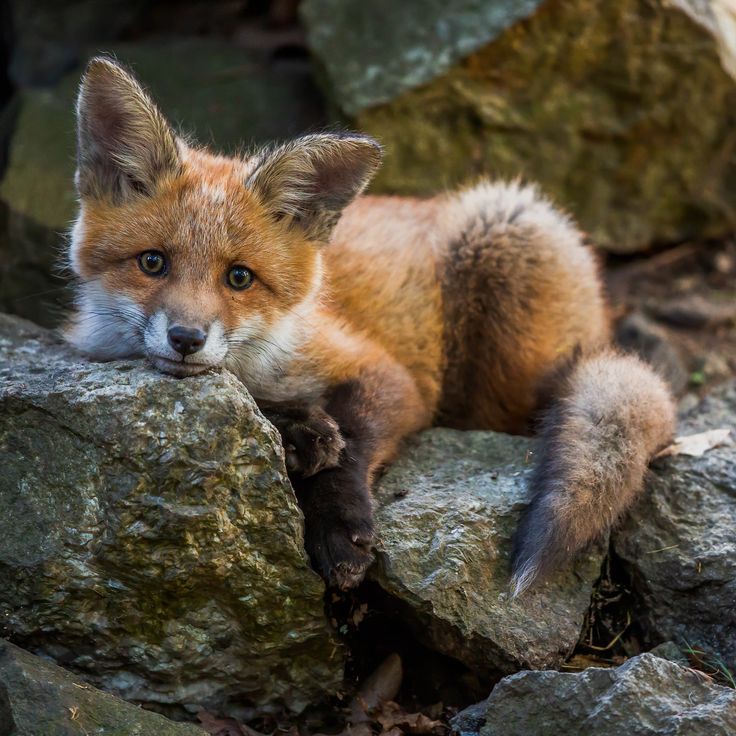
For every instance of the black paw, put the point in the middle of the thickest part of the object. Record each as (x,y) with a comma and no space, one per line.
(311,438)
(341,551)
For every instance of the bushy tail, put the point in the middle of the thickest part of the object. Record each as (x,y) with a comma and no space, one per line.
(611,414)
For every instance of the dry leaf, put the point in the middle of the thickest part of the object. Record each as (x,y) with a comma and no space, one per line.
(696,445)
(393,716)
(359,614)
(215,726)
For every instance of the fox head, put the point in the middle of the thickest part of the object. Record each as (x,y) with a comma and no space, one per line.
(192,259)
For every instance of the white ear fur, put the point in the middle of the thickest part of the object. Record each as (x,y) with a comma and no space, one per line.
(125,144)
(312,179)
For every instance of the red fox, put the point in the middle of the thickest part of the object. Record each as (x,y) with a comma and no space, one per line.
(355,321)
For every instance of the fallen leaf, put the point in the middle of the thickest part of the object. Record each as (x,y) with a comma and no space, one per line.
(359,614)
(696,445)
(393,716)
(224,726)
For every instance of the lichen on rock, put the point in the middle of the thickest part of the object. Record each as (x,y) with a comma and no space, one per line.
(151,539)
(38,698)
(678,542)
(646,695)
(621,111)
(447,512)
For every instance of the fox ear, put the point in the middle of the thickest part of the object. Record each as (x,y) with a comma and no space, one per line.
(124,144)
(312,179)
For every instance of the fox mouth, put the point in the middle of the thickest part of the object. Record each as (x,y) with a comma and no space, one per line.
(178,368)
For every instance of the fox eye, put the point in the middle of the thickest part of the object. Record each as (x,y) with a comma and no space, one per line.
(152,262)
(239,278)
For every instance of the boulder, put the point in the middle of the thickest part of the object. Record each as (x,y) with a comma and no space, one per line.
(646,696)
(150,540)
(678,541)
(220,93)
(41,699)
(639,334)
(372,52)
(447,511)
(49,37)
(624,112)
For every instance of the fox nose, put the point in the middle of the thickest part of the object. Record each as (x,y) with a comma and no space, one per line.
(186,340)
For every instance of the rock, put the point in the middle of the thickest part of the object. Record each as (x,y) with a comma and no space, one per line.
(641,335)
(49,37)
(678,541)
(670,651)
(645,696)
(622,111)
(218,91)
(447,510)
(150,538)
(44,700)
(694,311)
(374,51)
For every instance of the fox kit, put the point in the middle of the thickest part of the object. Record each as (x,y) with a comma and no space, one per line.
(357,321)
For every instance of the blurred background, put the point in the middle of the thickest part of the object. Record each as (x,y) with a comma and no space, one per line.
(623,112)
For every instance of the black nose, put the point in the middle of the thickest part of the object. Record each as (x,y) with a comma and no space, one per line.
(186,340)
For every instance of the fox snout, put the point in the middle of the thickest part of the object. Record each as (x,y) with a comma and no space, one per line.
(186,340)
(183,347)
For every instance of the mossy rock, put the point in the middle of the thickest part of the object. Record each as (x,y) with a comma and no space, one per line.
(621,111)
(38,698)
(447,512)
(151,540)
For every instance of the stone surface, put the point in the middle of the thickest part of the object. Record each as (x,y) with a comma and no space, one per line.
(622,112)
(646,696)
(641,335)
(44,700)
(447,510)
(374,51)
(49,37)
(679,544)
(150,539)
(216,91)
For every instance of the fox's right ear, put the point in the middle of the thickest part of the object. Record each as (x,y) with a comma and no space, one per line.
(124,144)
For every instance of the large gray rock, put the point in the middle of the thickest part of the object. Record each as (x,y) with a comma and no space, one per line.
(622,111)
(646,696)
(679,541)
(447,512)
(374,51)
(218,92)
(149,537)
(41,699)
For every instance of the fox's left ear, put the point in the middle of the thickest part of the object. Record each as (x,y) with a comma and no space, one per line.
(312,179)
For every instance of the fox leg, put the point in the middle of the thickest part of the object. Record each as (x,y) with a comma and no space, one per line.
(611,414)
(374,410)
(311,438)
